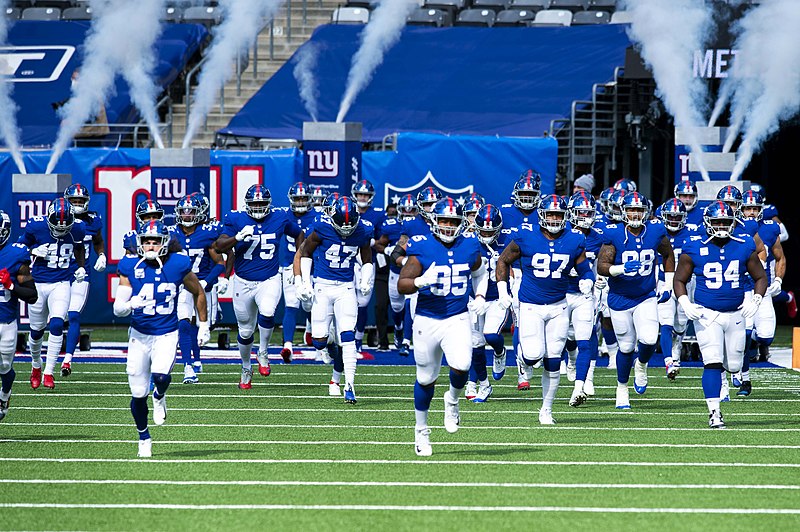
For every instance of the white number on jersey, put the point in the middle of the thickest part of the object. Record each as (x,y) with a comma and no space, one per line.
(645,256)
(335,257)
(714,275)
(450,280)
(196,255)
(58,257)
(263,240)
(164,308)
(541,264)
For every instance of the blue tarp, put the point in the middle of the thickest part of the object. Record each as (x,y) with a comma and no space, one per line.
(48,42)
(461,80)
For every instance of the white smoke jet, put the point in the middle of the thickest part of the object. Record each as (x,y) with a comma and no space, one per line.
(122,33)
(668,34)
(304,63)
(723,98)
(383,30)
(242,20)
(8,109)
(768,78)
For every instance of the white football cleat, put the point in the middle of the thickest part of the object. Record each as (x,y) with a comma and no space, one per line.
(499,365)
(484,393)
(159,409)
(189,375)
(572,371)
(145,448)
(546,417)
(451,418)
(578,398)
(623,398)
(422,442)
(334,390)
(671,368)
(471,390)
(715,420)
(639,377)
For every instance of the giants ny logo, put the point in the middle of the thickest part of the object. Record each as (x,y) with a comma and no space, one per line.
(393,194)
(34,64)
(323,163)
(168,190)
(29,208)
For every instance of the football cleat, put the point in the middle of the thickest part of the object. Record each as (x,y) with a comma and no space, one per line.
(546,417)
(499,365)
(309,339)
(577,399)
(334,390)
(745,389)
(639,377)
(263,364)
(245,383)
(4,408)
(484,393)
(525,373)
(349,395)
(324,356)
(451,417)
(159,409)
(572,371)
(146,448)
(715,420)
(422,442)
(588,388)
(359,345)
(672,369)
(404,350)
(286,355)
(736,379)
(189,376)
(66,369)
(48,381)
(36,377)
(623,398)
(763,353)
(198,366)
(724,393)
(470,391)
(398,339)
(791,306)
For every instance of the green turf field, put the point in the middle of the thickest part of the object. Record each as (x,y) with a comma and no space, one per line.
(284,455)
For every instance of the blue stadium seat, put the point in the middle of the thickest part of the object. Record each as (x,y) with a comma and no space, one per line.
(553,17)
(530,5)
(207,15)
(514,17)
(77,13)
(350,15)
(603,5)
(475,17)
(570,5)
(585,18)
(41,13)
(494,5)
(430,17)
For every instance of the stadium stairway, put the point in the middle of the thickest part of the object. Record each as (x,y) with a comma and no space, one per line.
(289,33)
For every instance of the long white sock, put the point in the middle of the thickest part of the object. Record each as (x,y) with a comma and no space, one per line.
(613,349)
(336,376)
(244,352)
(713,404)
(578,386)
(549,387)
(54,342)
(349,358)
(746,375)
(264,335)
(422,419)
(590,375)
(35,347)
(573,356)
(454,394)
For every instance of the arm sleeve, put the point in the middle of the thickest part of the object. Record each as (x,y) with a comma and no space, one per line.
(213,275)
(121,306)
(584,270)
(26,291)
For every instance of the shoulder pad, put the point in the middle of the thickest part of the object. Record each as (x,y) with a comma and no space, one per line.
(419,238)
(507,231)
(506,205)
(768,222)
(695,238)
(366,222)
(577,231)
(378,209)
(611,226)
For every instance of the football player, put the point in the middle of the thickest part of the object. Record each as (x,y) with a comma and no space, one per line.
(440,267)
(145,211)
(364,194)
(56,244)
(17,283)
(332,248)
(686,192)
(719,263)
(628,259)
(148,290)
(254,234)
(547,254)
(78,197)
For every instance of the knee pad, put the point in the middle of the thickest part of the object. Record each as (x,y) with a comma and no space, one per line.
(426,374)
(5,365)
(571,345)
(347,336)
(714,365)
(37,335)
(552,364)
(319,345)
(267,322)
(246,340)
(162,378)
(56,326)
(764,341)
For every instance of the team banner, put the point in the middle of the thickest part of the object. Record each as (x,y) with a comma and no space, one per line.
(119,179)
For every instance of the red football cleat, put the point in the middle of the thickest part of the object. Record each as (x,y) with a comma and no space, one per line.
(286,355)
(264,370)
(49,381)
(791,305)
(309,339)
(66,369)
(523,385)
(245,383)
(36,377)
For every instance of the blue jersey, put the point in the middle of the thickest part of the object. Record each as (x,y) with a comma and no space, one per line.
(628,290)
(677,241)
(546,264)
(449,295)
(513,217)
(393,229)
(694,218)
(593,241)
(196,245)
(131,245)
(12,257)
(720,271)
(492,253)
(60,263)
(257,255)
(375,216)
(93,224)
(416,226)
(159,287)
(335,256)
(303,222)
(770,211)
(770,233)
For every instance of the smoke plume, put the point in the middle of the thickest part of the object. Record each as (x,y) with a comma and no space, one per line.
(8,109)
(304,63)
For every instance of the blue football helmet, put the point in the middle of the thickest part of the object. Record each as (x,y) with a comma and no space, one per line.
(317,196)
(329,201)
(426,198)
(474,196)
(628,185)
(447,209)
(488,223)
(470,209)
(153,230)
(732,196)
(552,213)
(605,196)
(363,188)
(257,201)
(407,207)
(189,211)
(527,190)
(582,209)
(686,191)
(148,210)
(615,205)
(5,228)
(78,196)
(635,209)
(60,217)
(719,219)
(753,201)
(205,207)
(299,198)
(673,214)
(345,216)
(756,187)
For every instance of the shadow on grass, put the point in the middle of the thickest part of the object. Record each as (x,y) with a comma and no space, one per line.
(205,452)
